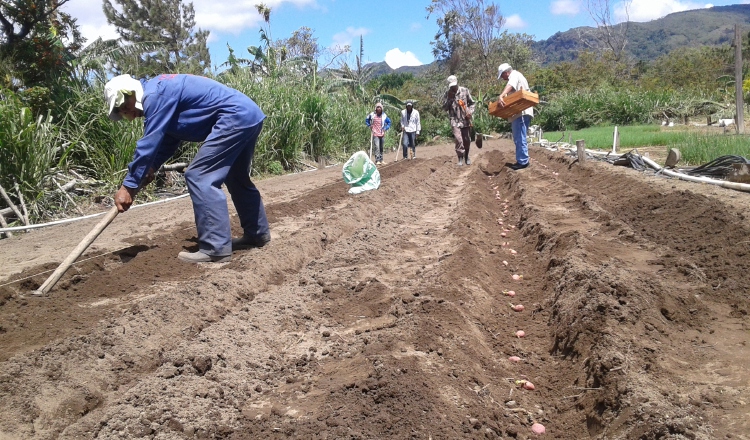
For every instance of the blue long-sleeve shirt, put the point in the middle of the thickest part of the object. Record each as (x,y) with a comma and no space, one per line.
(386,120)
(185,108)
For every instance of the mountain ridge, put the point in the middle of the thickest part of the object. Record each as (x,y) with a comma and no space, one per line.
(646,40)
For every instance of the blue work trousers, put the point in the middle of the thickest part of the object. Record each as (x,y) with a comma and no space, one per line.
(410,141)
(225,157)
(520,129)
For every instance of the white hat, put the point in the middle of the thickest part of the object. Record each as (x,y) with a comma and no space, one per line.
(502,69)
(452,80)
(115,91)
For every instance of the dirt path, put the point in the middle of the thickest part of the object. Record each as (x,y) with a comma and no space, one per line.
(385,315)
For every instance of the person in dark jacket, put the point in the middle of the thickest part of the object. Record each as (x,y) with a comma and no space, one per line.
(460,106)
(191,108)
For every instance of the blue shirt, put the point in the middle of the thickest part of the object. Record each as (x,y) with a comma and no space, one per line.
(185,108)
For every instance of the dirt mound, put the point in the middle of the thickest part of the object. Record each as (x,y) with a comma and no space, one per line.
(388,314)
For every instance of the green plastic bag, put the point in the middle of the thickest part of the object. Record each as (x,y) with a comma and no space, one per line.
(361,173)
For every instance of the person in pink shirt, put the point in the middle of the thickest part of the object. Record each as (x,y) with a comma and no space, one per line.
(379,123)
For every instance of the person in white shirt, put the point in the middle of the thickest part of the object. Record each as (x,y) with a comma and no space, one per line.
(410,127)
(519,122)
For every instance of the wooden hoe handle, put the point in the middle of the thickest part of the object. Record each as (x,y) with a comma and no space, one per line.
(82,246)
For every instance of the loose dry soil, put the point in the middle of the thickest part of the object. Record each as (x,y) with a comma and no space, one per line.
(383,315)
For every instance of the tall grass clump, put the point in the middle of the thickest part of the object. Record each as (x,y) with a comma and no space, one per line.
(30,147)
(575,109)
(100,148)
(302,119)
(697,148)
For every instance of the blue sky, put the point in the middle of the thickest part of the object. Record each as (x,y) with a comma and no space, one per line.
(395,31)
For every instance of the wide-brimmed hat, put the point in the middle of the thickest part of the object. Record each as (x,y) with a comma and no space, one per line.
(502,69)
(115,91)
(452,81)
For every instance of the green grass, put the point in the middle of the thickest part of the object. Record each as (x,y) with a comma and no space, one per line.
(630,136)
(697,149)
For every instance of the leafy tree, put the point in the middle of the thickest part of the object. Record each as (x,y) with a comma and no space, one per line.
(38,38)
(475,23)
(302,43)
(590,71)
(701,69)
(514,49)
(391,81)
(169,23)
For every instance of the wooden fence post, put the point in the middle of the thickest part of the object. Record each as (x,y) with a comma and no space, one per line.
(581,146)
(739,101)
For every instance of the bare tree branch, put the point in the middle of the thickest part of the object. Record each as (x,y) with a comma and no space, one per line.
(611,35)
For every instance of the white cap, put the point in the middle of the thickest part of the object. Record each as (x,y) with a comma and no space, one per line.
(452,80)
(115,91)
(502,69)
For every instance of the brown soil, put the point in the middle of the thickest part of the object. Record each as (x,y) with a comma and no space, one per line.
(383,315)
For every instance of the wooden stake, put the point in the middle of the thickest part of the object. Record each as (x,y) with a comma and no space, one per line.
(398,148)
(4,224)
(372,135)
(739,101)
(581,146)
(65,193)
(615,141)
(10,204)
(65,265)
(23,204)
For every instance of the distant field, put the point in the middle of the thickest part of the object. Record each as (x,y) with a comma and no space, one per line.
(696,148)
(630,137)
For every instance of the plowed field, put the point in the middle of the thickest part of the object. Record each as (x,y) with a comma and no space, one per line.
(386,315)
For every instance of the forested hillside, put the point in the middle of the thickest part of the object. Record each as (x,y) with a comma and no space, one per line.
(650,40)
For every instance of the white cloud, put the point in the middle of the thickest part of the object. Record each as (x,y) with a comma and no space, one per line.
(345,38)
(418,26)
(91,21)
(565,7)
(646,10)
(217,16)
(91,32)
(227,16)
(514,22)
(395,59)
